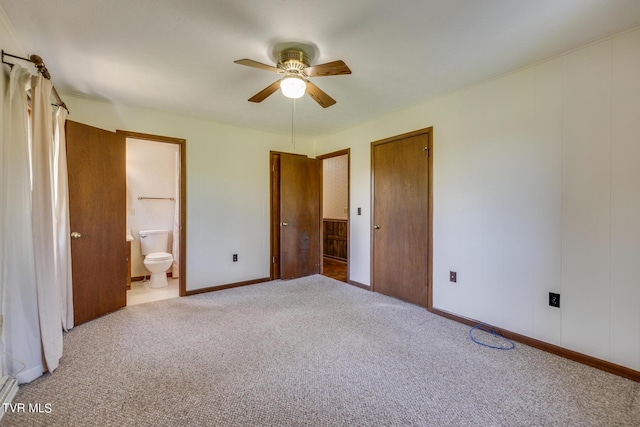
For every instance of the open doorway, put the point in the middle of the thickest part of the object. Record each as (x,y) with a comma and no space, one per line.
(335,214)
(155,213)
(96,162)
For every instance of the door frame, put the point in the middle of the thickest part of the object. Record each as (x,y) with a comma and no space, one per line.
(429,132)
(347,152)
(274,214)
(182,143)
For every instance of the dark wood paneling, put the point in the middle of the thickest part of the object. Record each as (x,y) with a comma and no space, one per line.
(335,238)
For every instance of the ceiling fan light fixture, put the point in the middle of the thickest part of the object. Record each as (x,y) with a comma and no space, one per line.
(293,86)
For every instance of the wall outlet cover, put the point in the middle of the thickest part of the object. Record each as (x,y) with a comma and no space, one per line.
(453,276)
(554,299)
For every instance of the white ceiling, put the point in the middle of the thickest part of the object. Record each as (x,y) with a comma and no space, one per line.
(178,55)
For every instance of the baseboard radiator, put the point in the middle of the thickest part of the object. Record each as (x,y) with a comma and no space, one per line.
(8,390)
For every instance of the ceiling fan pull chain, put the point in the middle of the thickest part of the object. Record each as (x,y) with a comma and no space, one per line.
(293,128)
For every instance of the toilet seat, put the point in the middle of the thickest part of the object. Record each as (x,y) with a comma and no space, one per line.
(158,256)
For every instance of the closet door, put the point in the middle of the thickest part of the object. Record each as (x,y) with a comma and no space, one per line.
(401,255)
(97,210)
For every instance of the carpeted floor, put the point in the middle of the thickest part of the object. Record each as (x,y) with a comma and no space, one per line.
(309,352)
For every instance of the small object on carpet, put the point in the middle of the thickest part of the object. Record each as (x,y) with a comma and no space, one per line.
(506,345)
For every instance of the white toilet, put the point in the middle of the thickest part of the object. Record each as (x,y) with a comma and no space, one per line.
(153,245)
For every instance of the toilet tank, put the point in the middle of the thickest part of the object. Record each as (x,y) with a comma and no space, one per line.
(153,241)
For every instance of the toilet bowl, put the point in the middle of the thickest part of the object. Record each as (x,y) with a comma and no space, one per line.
(153,243)
(158,263)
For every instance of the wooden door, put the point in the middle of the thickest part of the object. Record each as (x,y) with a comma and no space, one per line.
(401,256)
(97,210)
(300,216)
(275,215)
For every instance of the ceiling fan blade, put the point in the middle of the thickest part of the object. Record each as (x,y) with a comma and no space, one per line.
(319,95)
(256,64)
(264,93)
(334,68)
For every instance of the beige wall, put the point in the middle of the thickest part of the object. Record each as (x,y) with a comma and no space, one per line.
(335,187)
(227,186)
(535,190)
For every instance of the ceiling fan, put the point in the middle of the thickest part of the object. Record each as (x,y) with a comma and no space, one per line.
(294,64)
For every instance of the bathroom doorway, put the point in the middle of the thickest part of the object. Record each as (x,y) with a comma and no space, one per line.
(335,214)
(155,200)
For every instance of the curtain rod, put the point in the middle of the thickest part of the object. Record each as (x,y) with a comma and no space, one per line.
(42,69)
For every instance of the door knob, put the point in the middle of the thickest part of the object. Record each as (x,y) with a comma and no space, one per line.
(284,224)
(376,227)
(75,235)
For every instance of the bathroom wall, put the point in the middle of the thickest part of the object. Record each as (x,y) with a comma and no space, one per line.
(334,187)
(151,172)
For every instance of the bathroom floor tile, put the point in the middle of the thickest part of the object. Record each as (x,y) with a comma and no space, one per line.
(140,292)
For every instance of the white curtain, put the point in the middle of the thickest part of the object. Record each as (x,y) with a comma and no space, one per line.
(35,248)
(175,271)
(22,348)
(43,220)
(62,228)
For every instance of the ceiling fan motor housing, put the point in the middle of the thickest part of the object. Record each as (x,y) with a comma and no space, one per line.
(293,61)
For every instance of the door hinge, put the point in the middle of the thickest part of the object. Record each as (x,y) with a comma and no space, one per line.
(273,260)
(273,168)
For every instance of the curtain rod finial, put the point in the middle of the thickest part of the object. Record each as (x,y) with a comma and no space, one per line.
(37,60)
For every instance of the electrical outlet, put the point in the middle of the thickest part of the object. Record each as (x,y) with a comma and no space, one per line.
(359,211)
(554,300)
(235,257)
(453,276)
